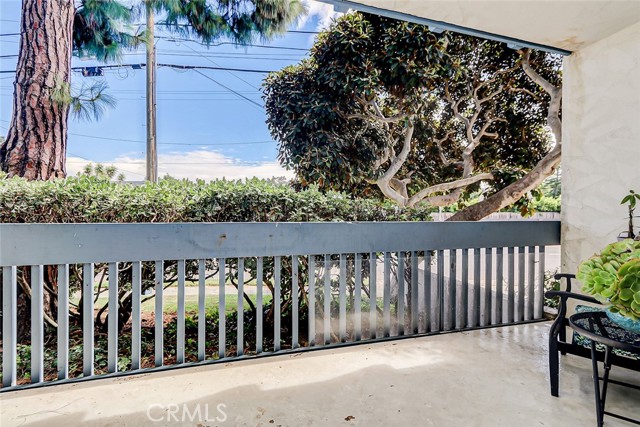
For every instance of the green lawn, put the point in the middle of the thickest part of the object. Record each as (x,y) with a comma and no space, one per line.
(188,283)
(190,303)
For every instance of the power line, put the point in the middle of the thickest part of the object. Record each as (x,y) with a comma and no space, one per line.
(142,98)
(218,65)
(166,24)
(184,163)
(175,66)
(229,89)
(163,143)
(262,46)
(215,144)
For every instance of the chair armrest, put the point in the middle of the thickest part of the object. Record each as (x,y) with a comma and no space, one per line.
(564,295)
(559,276)
(567,276)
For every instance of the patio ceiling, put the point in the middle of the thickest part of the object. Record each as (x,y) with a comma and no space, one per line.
(565,25)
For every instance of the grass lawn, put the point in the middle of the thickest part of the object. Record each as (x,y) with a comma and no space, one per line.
(190,303)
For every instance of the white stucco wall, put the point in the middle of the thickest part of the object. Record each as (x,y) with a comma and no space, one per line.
(601,147)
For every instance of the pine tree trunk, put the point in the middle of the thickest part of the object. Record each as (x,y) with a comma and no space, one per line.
(35,147)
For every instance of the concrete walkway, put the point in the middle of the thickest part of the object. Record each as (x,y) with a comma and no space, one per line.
(492,377)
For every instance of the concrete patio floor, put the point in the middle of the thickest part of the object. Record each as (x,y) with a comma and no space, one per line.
(492,377)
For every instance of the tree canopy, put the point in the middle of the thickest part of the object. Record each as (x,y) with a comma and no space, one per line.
(423,116)
(103,28)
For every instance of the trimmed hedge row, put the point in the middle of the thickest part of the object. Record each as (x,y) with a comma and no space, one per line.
(88,199)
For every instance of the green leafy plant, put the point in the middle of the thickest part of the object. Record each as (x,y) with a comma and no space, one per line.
(631,201)
(613,277)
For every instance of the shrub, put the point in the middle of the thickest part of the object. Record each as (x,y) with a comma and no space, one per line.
(90,199)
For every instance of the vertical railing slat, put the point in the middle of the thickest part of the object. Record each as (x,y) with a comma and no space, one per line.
(87,320)
(428,315)
(386,297)
(295,288)
(342,319)
(485,316)
(311,298)
(415,313)
(222,309)
(159,313)
(357,303)
(9,326)
(327,299)
(259,307)
(373,295)
(452,290)
(540,294)
(112,327)
(510,284)
(475,300)
(529,312)
(521,284)
(202,314)
(401,288)
(463,311)
(439,296)
(180,330)
(63,321)
(136,314)
(277,267)
(498,315)
(240,310)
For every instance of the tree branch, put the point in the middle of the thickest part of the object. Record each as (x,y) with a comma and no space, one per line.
(555,92)
(446,186)
(399,160)
(439,142)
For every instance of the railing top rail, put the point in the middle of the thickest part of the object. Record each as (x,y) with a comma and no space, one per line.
(46,244)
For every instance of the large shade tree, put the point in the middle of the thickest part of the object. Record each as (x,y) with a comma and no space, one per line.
(423,117)
(52,30)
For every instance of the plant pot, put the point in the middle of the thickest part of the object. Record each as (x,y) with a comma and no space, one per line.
(627,323)
(623,236)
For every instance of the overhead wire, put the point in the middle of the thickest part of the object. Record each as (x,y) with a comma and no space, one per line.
(106,138)
(251,101)
(218,65)
(175,66)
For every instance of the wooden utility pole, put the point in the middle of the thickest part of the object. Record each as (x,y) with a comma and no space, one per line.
(152,153)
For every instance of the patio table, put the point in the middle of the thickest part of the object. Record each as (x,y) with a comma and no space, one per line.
(600,329)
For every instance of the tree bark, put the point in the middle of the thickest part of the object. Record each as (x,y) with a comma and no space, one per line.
(35,147)
(513,192)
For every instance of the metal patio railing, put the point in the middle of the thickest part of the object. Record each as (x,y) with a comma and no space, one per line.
(123,303)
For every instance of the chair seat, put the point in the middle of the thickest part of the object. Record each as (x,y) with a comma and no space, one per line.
(586,342)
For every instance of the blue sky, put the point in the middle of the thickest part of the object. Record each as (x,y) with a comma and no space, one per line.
(194,112)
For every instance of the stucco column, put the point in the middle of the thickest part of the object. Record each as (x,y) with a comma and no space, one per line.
(601,147)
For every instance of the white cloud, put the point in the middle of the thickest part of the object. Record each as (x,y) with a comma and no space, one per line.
(198,164)
(323,11)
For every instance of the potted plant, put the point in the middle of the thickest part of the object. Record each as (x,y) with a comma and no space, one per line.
(613,278)
(630,200)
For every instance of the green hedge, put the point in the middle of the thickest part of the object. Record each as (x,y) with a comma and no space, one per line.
(91,199)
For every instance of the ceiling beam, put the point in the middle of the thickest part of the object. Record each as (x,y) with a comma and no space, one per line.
(439,26)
